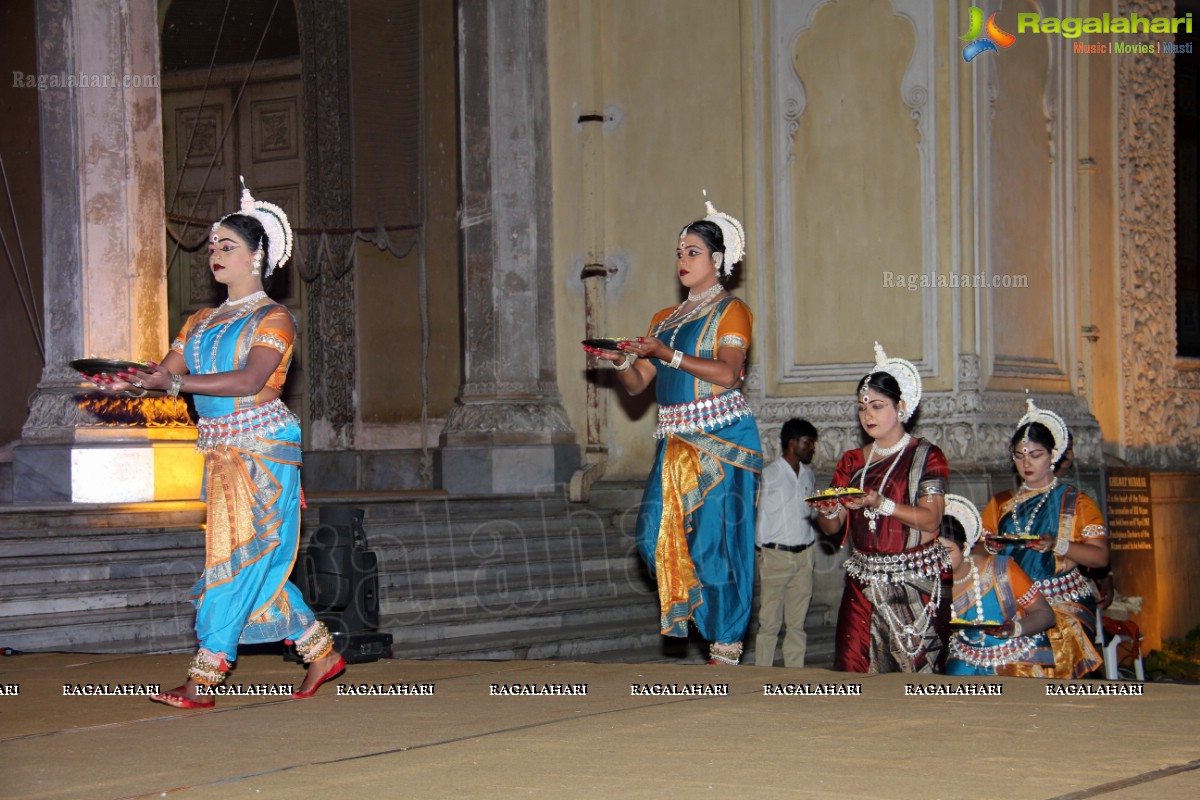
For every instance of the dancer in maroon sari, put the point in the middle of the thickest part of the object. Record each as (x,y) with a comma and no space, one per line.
(895,610)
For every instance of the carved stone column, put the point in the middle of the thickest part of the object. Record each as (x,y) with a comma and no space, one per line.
(331,352)
(105,283)
(1160,401)
(509,431)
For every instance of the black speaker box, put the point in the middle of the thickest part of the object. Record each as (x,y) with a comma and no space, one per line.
(339,578)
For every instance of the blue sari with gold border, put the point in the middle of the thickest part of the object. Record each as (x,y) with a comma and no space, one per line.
(696,523)
(252,491)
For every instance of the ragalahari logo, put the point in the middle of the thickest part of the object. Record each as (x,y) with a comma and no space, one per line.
(992,37)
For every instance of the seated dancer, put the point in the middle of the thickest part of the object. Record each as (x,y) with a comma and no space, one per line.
(992,589)
(1051,529)
(695,529)
(896,605)
(233,360)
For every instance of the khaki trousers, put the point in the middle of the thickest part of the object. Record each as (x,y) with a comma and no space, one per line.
(785,589)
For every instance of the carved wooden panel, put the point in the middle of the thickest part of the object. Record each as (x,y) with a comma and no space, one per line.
(197,137)
(274,131)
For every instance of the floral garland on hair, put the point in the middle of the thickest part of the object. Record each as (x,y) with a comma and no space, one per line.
(732,232)
(274,221)
(968,516)
(906,374)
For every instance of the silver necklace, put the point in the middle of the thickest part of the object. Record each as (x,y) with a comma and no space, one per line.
(977,590)
(715,289)
(242,311)
(1045,492)
(872,514)
(241,301)
(679,319)
(884,452)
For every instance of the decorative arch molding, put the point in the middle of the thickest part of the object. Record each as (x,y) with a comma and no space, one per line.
(790,19)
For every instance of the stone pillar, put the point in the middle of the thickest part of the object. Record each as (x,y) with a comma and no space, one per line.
(509,431)
(323,262)
(104,261)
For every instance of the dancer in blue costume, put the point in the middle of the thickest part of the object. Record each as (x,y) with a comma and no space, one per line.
(233,359)
(1052,529)
(992,589)
(696,525)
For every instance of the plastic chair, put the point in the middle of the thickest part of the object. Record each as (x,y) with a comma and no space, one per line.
(1109,634)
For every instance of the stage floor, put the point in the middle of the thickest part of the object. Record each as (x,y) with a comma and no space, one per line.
(467,729)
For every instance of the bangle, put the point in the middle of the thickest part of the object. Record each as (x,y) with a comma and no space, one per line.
(144,391)
(887,506)
(1060,547)
(626,364)
(676,360)
(176,385)
(1016,631)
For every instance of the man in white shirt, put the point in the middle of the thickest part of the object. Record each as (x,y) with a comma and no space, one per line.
(785,537)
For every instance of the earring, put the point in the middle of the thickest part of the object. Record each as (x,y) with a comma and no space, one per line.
(718,259)
(256,263)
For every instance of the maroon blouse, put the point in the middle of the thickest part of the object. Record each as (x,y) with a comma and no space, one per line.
(922,469)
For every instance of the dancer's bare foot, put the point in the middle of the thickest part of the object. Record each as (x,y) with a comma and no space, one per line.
(325,668)
(185,696)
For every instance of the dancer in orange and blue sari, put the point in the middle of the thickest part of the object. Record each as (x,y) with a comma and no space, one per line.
(999,617)
(1051,529)
(695,528)
(233,360)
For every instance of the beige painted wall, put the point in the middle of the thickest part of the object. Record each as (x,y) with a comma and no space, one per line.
(856,173)
(676,90)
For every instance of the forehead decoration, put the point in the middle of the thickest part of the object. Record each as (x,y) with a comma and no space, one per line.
(1052,422)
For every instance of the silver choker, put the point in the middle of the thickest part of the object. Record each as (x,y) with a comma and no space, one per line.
(711,291)
(884,452)
(250,298)
(1029,491)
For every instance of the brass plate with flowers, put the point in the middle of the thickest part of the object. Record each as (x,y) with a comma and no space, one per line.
(976,625)
(834,493)
(1016,538)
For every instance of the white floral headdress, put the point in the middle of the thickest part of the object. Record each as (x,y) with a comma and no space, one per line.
(274,222)
(731,231)
(967,514)
(1053,423)
(906,374)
